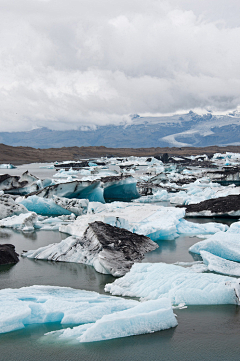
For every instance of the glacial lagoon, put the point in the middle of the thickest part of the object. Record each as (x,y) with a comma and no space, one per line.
(203,332)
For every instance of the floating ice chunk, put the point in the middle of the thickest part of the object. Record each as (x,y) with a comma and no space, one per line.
(55,206)
(197,266)
(146,317)
(75,189)
(202,190)
(43,206)
(161,195)
(220,265)
(190,228)
(120,188)
(8,207)
(110,250)
(180,285)
(7,166)
(156,222)
(47,166)
(222,244)
(24,221)
(42,304)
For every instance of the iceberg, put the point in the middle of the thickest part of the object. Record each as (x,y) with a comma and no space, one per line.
(110,250)
(151,220)
(119,188)
(24,222)
(55,206)
(7,166)
(220,265)
(8,254)
(222,244)
(222,206)
(155,222)
(87,311)
(77,189)
(180,285)
(8,207)
(146,317)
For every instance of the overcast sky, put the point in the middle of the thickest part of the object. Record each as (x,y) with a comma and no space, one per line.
(67,63)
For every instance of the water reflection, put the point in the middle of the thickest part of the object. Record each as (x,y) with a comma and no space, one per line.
(5,234)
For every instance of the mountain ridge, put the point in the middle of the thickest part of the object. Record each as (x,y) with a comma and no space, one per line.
(191,130)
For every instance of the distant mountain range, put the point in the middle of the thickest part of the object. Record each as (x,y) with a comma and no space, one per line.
(184,130)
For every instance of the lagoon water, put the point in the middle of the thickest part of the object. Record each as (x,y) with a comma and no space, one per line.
(203,333)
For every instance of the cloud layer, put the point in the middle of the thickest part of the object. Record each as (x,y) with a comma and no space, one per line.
(67,64)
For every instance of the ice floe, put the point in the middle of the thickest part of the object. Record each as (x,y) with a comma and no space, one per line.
(222,244)
(101,317)
(220,265)
(146,317)
(180,285)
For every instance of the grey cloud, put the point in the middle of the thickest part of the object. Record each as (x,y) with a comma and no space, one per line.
(67,64)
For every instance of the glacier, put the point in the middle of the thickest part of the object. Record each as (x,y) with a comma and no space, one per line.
(178,284)
(95,317)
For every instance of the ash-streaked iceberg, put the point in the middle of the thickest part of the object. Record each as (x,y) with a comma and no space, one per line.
(220,265)
(8,206)
(222,244)
(110,250)
(49,304)
(76,189)
(229,205)
(180,285)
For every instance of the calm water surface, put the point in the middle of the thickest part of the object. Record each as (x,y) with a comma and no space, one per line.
(203,333)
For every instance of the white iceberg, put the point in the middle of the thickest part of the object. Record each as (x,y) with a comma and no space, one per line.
(220,265)
(154,221)
(222,244)
(146,317)
(45,304)
(24,222)
(180,285)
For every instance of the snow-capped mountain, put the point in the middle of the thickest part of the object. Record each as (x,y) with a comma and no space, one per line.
(189,129)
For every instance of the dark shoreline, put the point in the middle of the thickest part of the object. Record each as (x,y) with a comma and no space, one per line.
(23,155)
